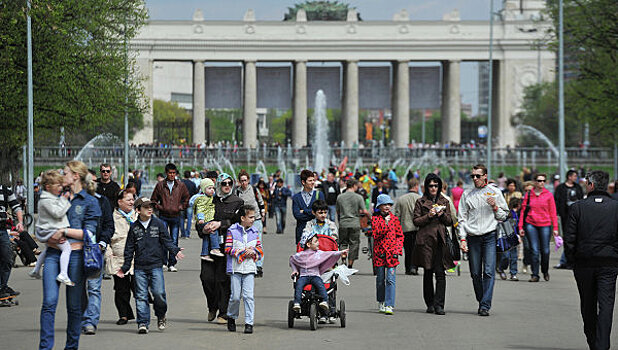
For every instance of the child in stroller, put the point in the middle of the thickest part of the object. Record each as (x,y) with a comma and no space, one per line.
(307,265)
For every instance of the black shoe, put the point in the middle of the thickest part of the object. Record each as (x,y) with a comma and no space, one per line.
(408,272)
(546,276)
(483,312)
(231,324)
(122,321)
(502,275)
(248,329)
(260,272)
(10,291)
(534,279)
(414,271)
(430,310)
(439,311)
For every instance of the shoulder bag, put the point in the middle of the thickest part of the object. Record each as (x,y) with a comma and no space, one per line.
(93,257)
(452,244)
(506,237)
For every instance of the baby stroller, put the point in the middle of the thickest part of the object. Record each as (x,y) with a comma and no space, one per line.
(310,299)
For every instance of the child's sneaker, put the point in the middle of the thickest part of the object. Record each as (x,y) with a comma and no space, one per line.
(216,252)
(173,269)
(65,279)
(324,305)
(162,323)
(296,307)
(322,320)
(388,310)
(34,274)
(206,258)
(142,329)
(381,307)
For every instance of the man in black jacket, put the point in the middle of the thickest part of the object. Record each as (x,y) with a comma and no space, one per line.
(331,190)
(591,244)
(566,195)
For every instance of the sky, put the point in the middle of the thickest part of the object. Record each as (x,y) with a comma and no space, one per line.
(368,9)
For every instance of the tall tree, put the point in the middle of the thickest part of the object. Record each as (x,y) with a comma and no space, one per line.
(79,69)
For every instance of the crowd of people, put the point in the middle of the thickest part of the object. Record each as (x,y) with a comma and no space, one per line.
(427,226)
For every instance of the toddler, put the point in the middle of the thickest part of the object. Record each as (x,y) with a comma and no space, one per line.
(321,225)
(509,258)
(204,210)
(309,264)
(52,209)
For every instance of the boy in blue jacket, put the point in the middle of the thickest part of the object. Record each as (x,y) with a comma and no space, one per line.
(302,201)
(148,240)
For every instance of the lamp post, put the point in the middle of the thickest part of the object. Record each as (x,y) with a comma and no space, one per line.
(562,155)
(126,107)
(491,83)
(30,179)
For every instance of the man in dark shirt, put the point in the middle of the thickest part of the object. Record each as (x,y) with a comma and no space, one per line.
(188,214)
(331,190)
(106,186)
(566,195)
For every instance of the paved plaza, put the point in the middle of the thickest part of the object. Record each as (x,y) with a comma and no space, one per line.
(524,315)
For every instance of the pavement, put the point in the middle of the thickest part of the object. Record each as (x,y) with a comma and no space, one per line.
(534,316)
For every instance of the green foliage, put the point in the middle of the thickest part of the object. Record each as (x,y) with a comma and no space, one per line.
(320,11)
(79,69)
(171,122)
(591,46)
(223,124)
(277,127)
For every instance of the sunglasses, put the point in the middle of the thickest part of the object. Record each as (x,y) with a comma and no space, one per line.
(476,176)
(540,180)
(105,171)
(432,186)
(226,183)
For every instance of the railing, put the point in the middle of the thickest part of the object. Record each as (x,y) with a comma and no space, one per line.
(530,156)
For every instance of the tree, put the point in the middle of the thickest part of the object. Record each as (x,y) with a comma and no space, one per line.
(171,122)
(79,69)
(320,11)
(591,45)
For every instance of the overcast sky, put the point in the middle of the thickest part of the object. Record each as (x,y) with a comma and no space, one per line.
(368,9)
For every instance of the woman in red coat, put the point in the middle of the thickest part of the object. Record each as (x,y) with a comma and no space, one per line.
(387,247)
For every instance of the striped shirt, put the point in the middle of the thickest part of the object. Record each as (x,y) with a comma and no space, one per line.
(476,217)
(7,198)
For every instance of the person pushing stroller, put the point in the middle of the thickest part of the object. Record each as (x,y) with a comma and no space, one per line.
(309,264)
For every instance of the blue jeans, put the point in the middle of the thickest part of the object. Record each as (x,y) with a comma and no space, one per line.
(332,212)
(210,242)
(280,218)
(539,237)
(51,290)
(153,279)
(509,259)
(173,225)
(93,299)
(186,230)
(259,227)
(242,285)
(318,286)
(386,283)
(482,259)
(6,262)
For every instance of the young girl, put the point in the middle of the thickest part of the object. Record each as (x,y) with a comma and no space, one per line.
(387,247)
(52,216)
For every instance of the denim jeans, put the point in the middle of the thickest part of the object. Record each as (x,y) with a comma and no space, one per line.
(258,226)
(280,218)
(482,259)
(6,261)
(509,259)
(386,282)
(186,230)
(153,279)
(51,289)
(210,242)
(173,225)
(92,299)
(242,285)
(317,283)
(539,237)
(332,212)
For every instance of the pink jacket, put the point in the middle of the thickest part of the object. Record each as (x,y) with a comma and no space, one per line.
(542,210)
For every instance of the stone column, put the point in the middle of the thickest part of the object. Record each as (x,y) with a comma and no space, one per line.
(451,102)
(503,89)
(199,102)
(349,122)
(400,127)
(146,134)
(249,121)
(299,119)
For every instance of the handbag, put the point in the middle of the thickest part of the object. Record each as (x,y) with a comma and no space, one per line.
(527,210)
(93,257)
(506,238)
(452,244)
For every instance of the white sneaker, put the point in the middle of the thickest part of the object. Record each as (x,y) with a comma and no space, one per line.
(34,274)
(164,268)
(323,305)
(322,320)
(173,269)
(65,279)
(206,258)
(332,320)
(296,307)
(381,307)
(388,310)
(216,252)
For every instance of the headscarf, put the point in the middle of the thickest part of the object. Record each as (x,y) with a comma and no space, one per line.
(222,177)
(435,178)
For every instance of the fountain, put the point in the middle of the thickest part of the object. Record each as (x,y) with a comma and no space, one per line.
(321,148)
(91,147)
(260,168)
(527,129)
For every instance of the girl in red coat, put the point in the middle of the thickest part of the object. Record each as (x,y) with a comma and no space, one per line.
(387,247)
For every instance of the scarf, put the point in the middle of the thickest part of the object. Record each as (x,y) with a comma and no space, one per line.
(128,217)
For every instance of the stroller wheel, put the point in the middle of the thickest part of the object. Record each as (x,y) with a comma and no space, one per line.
(291,314)
(313,317)
(342,313)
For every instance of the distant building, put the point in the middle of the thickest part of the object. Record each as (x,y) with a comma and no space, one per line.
(466,108)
